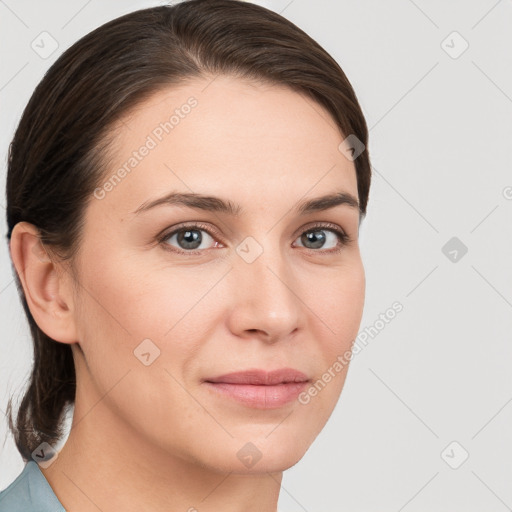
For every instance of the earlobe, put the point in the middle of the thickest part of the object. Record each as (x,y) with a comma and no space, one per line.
(45,288)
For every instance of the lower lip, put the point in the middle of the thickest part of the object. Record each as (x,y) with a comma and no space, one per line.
(260,397)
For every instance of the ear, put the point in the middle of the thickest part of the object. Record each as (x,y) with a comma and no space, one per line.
(47,287)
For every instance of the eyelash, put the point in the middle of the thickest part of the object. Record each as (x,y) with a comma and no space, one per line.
(343,238)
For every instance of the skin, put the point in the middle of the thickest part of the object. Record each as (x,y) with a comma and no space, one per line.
(154,437)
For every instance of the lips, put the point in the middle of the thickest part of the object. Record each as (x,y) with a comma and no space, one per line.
(261,377)
(259,389)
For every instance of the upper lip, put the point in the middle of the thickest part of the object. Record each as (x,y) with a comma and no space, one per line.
(261,377)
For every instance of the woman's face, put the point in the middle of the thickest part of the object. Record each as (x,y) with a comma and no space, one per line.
(158,313)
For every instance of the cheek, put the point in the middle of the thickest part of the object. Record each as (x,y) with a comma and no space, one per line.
(337,312)
(130,299)
(338,316)
(123,306)
(339,305)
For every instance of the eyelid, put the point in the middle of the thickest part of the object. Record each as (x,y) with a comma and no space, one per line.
(189,225)
(320,225)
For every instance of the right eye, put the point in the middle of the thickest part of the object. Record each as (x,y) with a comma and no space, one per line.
(189,238)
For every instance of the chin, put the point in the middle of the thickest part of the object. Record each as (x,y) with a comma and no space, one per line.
(260,456)
(274,454)
(267,464)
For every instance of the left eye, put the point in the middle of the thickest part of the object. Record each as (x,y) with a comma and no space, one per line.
(190,238)
(317,238)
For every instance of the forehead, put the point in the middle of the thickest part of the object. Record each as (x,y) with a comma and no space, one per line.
(227,137)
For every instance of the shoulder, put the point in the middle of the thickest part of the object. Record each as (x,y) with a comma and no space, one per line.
(29,492)
(16,496)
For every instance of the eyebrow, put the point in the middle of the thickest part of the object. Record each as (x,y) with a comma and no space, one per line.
(217,204)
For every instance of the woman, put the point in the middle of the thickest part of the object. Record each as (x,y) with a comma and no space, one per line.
(184,195)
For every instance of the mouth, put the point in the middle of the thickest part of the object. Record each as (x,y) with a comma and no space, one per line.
(258,377)
(260,389)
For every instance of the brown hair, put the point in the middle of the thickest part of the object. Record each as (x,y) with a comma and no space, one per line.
(55,158)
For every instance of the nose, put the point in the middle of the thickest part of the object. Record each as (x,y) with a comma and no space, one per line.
(265,298)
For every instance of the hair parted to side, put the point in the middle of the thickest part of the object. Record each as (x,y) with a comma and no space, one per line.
(56,158)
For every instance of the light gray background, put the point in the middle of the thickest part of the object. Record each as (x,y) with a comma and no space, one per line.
(441,147)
